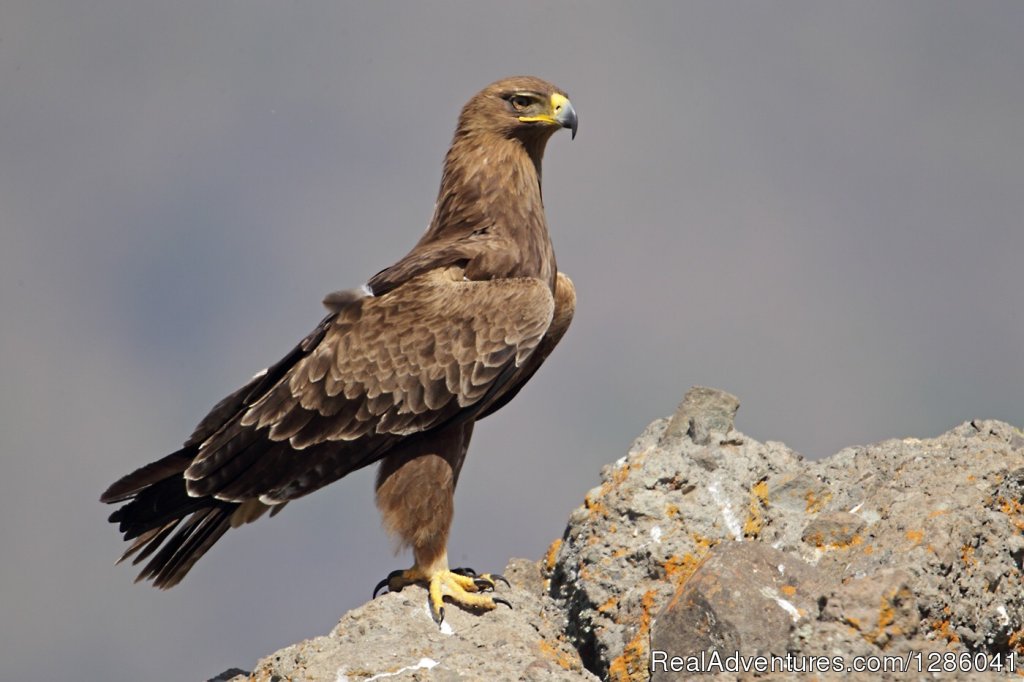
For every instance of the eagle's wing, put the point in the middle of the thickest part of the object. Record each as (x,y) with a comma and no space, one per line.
(435,349)
(565,306)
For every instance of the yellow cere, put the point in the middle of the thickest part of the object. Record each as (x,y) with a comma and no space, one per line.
(557,102)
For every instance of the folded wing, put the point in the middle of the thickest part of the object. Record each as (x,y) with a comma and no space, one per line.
(436,349)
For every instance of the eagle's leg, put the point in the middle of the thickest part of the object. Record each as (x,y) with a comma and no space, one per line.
(415,493)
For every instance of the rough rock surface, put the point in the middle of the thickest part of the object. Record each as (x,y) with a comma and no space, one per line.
(393,637)
(904,546)
(703,541)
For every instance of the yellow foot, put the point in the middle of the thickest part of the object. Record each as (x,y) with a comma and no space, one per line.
(462,586)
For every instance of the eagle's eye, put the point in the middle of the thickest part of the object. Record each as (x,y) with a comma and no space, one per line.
(520,102)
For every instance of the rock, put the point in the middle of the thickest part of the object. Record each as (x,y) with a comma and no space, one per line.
(909,545)
(833,529)
(394,636)
(744,597)
(615,570)
(702,541)
(703,413)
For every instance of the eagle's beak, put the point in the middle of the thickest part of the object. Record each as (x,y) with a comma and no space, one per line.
(564,114)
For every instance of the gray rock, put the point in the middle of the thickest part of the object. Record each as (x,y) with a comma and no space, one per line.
(395,636)
(916,545)
(905,547)
(704,413)
(833,529)
(744,597)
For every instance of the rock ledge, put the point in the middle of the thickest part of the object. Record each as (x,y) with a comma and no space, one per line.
(703,540)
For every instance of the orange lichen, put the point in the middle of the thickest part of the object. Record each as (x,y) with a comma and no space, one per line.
(620,474)
(967,556)
(945,630)
(852,542)
(703,542)
(788,590)
(595,506)
(815,504)
(886,615)
(755,514)
(554,653)
(915,536)
(551,556)
(671,511)
(608,605)
(1014,509)
(631,665)
(1016,641)
(678,569)
(818,540)
(885,627)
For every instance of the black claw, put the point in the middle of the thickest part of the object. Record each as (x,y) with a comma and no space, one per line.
(495,577)
(440,617)
(386,582)
(499,600)
(467,572)
(484,585)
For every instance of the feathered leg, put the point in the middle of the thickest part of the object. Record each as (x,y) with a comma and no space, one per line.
(415,495)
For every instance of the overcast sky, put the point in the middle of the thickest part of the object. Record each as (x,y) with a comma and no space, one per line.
(816,206)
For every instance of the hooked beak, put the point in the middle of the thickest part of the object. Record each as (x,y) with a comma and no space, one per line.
(564,114)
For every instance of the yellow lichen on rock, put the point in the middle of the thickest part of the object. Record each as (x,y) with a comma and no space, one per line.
(631,665)
(756,509)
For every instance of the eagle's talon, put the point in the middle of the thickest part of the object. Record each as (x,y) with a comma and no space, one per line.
(488,581)
(398,579)
(382,584)
(464,571)
(437,615)
(499,600)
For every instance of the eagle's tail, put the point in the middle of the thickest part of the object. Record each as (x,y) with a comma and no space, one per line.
(157,504)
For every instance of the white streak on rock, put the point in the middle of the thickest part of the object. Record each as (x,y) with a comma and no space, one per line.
(784,604)
(423,664)
(731,522)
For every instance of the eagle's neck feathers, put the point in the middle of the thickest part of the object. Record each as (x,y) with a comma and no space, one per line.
(489,217)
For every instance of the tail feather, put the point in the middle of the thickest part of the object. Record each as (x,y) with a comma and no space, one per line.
(148,542)
(158,505)
(178,554)
(131,485)
(164,523)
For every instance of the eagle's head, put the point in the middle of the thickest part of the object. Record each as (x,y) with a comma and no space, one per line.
(521,107)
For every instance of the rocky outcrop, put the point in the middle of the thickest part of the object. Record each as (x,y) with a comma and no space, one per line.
(703,543)
(394,637)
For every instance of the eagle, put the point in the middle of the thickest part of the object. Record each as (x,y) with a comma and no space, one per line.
(398,372)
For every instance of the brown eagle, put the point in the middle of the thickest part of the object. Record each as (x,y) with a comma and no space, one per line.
(398,372)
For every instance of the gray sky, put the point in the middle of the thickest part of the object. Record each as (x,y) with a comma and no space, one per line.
(816,206)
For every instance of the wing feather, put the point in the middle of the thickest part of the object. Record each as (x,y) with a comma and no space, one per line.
(435,349)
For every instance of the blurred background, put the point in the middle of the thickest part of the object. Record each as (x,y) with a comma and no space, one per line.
(815,206)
